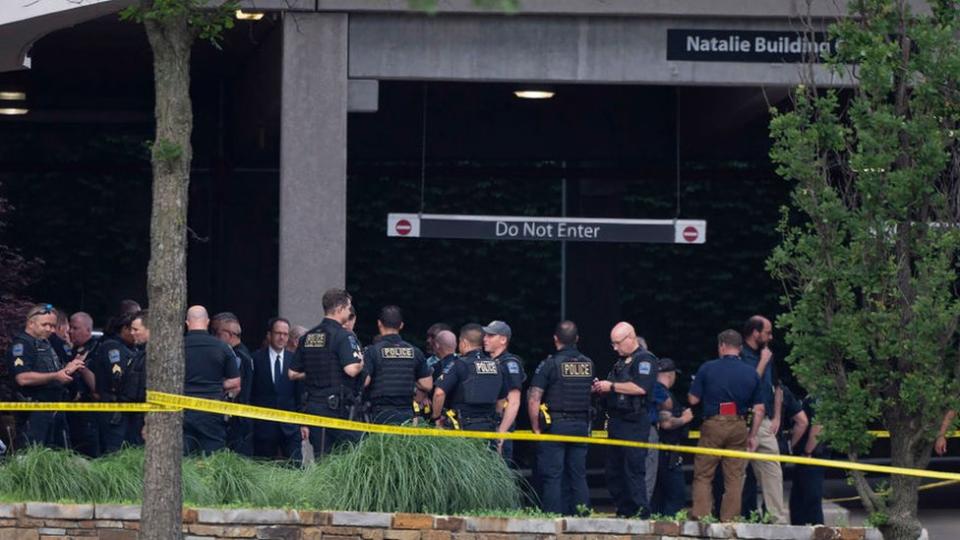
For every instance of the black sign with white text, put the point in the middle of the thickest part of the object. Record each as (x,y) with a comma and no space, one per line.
(556,229)
(748,46)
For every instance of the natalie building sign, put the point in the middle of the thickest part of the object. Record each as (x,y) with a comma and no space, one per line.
(748,46)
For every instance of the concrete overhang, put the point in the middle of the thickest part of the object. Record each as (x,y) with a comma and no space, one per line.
(22,22)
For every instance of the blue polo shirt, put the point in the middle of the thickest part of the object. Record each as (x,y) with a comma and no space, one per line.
(726,379)
(752,359)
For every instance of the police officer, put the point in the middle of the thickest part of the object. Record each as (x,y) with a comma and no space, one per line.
(239,429)
(433,357)
(475,384)
(445,349)
(728,388)
(40,376)
(210,372)
(558,403)
(83,425)
(628,387)
(329,360)
(496,339)
(806,494)
(394,369)
(111,358)
(133,386)
(670,491)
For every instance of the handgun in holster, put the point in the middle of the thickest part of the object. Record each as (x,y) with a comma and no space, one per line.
(452,415)
(545,415)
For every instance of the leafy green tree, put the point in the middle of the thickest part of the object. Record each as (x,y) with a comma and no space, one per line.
(869,251)
(172,27)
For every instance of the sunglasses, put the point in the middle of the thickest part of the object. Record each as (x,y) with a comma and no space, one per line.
(45,309)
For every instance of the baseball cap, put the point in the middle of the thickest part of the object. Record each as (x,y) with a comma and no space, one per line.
(667,364)
(498,328)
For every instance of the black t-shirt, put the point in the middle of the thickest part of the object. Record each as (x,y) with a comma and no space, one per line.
(209,362)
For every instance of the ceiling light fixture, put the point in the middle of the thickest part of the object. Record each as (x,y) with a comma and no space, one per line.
(12,111)
(12,96)
(534,94)
(249,15)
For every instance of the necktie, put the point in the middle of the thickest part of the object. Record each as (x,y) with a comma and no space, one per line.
(277,360)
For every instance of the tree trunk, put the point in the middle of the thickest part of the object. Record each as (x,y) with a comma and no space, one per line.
(171,39)
(901,507)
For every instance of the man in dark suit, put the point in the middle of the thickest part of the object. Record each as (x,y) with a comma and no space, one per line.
(272,388)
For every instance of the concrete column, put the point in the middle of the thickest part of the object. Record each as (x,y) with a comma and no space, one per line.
(313,163)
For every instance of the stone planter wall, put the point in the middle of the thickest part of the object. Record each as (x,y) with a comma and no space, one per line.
(44,521)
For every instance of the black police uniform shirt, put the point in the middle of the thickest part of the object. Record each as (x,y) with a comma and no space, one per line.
(110,361)
(392,348)
(29,354)
(727,379)
(208,362)
(78,388)
(441,365)
(639,368)
(566,377)
(809,405)
(752,359)
(677,435)
(342,343)
(456,373)
(789,408)
(513,373)
(245,367)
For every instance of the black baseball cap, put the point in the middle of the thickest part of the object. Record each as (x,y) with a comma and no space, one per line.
(667,364)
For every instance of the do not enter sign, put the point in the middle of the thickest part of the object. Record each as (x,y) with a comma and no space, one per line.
(403,227)
(690,234)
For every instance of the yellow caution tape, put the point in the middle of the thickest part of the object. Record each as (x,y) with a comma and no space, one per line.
(163,402)
(83,406)
(924,487)
(261,413)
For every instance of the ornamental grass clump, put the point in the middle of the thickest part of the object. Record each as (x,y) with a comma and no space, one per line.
(415,474)
(43,474)
(382,473)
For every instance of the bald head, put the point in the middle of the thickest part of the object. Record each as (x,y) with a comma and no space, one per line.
(81,328)
(197,318)
(444,343)
(623,339)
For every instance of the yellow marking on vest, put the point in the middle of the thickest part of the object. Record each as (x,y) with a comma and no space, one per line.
(315,340)
(487,367)
(576,369)
(396,352)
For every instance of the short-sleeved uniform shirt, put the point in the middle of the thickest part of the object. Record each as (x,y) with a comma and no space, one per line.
(456,372)
(809,405)
(209,362)
(726,379)
(752,358)
(29,354)
(513,374)
(372,356)
(641,368)
(109,363)
(441,365)
(548,372)
(342,343)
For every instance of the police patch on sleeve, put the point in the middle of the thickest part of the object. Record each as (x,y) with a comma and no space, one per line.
(17,349)
(114,356)
(643,368)
(513,367)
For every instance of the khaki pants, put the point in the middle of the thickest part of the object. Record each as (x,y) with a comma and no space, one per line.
(770,475)
(729,433)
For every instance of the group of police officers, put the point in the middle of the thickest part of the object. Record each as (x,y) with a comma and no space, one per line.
(470,381)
